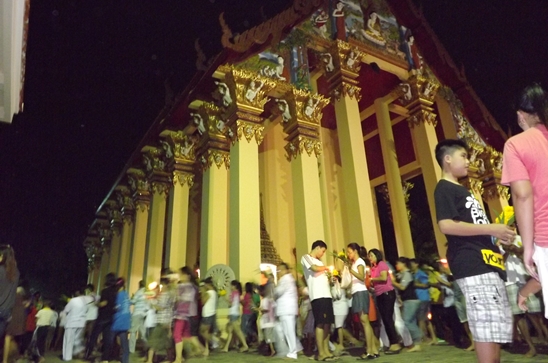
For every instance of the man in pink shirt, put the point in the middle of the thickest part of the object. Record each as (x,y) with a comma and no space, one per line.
(525,169)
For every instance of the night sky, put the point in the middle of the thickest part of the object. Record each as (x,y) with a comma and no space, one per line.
(95,80)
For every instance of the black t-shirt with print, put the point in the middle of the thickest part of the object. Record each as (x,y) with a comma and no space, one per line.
(467,255)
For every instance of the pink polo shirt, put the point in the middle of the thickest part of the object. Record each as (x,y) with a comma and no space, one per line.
(381,287)
(526,158)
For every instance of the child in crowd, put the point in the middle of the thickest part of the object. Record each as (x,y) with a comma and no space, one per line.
(44,320)
(475,261)
(233,326)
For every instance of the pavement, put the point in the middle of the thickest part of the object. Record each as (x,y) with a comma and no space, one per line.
(439,354)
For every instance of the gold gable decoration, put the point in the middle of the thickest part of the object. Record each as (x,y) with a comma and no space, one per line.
(271,29)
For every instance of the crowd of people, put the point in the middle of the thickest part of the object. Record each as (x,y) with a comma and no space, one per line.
(489,292)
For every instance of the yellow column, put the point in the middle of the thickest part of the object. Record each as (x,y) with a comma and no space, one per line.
(303,147)
(245,128)
(127,216)
(141,199)
(422,121)
(103,271)
(155,164)
(214,160)
(446,115)
(114,250)
(360,209)
(126,245)
(402,229)
(214,226)
(181,156)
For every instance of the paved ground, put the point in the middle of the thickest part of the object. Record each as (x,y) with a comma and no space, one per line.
(438,354)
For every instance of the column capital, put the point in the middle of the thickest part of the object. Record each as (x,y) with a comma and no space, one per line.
(342,64)
(417,95)
(154,160)
(249,89)
(302,144)
(114,214)
(179,148)
(183,177)
(140,187)
(213,156)
(123,196)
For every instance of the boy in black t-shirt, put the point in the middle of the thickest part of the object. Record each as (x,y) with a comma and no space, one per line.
(475,261)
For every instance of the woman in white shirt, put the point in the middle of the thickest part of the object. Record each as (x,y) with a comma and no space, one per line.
(360,299)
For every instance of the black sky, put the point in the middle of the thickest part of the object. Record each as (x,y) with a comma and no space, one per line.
(95,82)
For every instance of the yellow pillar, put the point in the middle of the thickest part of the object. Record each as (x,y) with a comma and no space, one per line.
(446,117)
(214,224)
(103,271)
(358,194)
(159,178)
(402,229)
(422,121)
(127,217)
(303,147)
(155,234)
(180,155)
(245,228)
(114,250)
(141,199)
(126,245)
(177,221)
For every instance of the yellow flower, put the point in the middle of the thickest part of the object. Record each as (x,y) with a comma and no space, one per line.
(222,292)
(342,254)
(506,216)
(335,273)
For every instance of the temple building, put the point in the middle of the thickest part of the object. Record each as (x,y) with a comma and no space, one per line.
(318,124)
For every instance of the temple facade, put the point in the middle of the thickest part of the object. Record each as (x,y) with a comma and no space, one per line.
(320,123)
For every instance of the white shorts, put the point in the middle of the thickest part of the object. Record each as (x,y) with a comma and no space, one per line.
(540,256)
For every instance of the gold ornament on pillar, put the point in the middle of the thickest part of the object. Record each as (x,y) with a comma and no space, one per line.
(154,161)
(346,62)
(140,187)
(215,157)
(183,177)
(303,144)
(249,130)
(127,208)
(250,90)
(417,95)
(406,187)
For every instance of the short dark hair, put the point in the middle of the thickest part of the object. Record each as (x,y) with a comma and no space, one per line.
(534,100)
(447,147)
(90,287)
(319,243)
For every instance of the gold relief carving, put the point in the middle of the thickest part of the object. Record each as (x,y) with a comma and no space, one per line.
(476,185)
(248,130)
(303,144)
(161,188)
(466,131)
(216,157)
(138,181)
(422,115)
(142,205)
(272,29)
(179,146)
(476,155)
(503,191)
(183,178)
(153,159)
(250,89)
(419,89)
(128,217)
(211,115)
(309,105)
(349,58)
(346,89)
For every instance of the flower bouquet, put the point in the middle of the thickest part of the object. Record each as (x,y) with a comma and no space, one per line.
(341,255)
(508,217)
